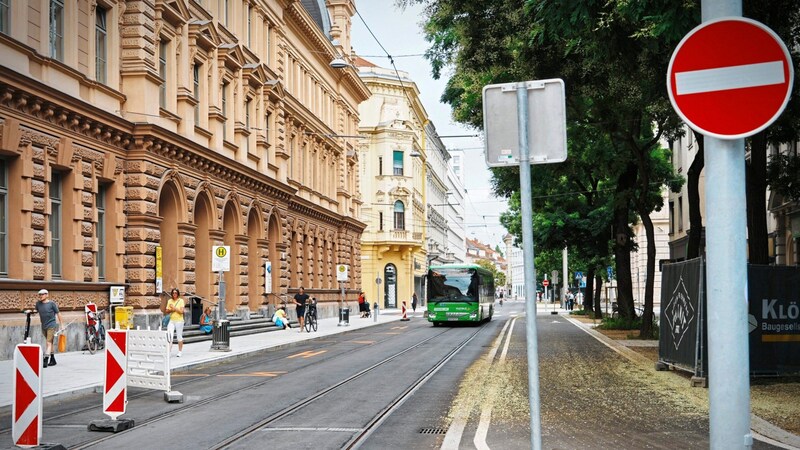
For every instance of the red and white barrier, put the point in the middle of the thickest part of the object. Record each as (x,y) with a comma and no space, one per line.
(403,310)
(115,390)
(26,411)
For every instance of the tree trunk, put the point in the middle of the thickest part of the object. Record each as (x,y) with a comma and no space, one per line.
(646,330)
(695,232)
(622,241)
(598,283)
(756,184)
(588,295)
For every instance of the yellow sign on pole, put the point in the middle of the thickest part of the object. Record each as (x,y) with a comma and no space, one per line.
(159,271)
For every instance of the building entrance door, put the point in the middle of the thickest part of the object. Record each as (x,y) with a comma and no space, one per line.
(390,288)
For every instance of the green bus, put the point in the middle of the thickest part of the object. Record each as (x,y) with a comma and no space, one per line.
(460,293)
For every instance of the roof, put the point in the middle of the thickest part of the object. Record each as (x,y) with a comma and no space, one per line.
(318,11)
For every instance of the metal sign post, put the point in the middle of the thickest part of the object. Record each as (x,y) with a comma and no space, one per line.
(729,78)
(342,275)
(221,263)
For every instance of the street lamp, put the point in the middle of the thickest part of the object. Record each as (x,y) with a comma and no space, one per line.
(339,63)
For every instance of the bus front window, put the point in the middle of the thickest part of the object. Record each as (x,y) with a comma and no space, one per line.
(453,286)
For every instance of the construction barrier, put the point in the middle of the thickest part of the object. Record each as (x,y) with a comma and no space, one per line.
(403,310)
(149,363)
(26,411)
(115,390)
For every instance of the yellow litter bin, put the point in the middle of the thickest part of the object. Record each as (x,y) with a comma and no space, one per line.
(124,317)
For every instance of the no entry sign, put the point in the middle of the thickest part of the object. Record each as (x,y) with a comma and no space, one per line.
(730,78)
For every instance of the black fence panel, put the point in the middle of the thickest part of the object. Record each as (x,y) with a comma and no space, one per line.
(682,301)
(774,318)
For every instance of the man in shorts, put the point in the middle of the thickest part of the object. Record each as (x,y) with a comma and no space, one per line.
(51,320)
(300,301)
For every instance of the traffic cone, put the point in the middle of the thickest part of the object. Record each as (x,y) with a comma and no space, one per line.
(405,316)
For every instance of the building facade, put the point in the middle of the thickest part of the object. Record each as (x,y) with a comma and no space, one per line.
(393,160)
(455,215)
(143,128)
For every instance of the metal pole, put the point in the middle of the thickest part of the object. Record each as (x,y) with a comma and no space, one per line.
(726,272)
(530,270)
(564,283)
(223,314)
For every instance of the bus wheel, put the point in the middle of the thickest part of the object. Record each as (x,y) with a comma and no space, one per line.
(436,324)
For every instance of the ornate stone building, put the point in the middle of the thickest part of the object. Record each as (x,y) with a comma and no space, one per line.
(127,125)
(394,163)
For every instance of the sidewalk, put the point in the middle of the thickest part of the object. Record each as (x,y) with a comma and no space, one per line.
(78,372)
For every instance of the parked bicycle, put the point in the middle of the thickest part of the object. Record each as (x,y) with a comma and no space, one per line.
(311,315)
(95,330)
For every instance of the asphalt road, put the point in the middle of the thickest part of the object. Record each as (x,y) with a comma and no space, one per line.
(406,385)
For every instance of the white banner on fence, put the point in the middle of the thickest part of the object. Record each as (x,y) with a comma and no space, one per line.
(148,359)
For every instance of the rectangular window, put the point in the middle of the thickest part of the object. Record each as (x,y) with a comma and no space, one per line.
(249,27)
(267,127)
(196,92)
(3,218)
(680,213)
(397,163)
(162,72)
(380,221)
(5,10)
(266,44)
(224,111)
(100,45)
(57,29)
(55,225)
(100,202)
(380,165)
(671,217)
(247,105)
(225,9)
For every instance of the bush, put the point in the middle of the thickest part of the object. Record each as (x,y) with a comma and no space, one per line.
(619,323)
(581,312)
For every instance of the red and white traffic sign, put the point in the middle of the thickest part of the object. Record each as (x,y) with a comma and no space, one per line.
(26,411)
(115,390)
(545,283)
(730,78)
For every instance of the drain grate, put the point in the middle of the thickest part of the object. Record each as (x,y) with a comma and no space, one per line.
(432,431)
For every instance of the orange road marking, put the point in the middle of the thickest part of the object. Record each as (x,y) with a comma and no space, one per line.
(253,374)
(400,328)
(190,375)
(392,333)
(363,342)
(307,354)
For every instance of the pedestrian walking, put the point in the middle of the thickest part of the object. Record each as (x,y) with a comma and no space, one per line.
(300,301)
(362,304)
(414,302)
(175,307)
(51,320)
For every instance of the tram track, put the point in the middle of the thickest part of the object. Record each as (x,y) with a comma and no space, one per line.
(211,399)
(189,382)
(376,420)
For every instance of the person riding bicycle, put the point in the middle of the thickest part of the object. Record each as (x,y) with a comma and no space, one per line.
(300,301)
(51,320)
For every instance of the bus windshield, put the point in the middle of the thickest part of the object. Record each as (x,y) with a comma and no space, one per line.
(453,285)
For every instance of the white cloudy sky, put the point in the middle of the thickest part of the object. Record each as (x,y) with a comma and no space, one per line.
(399,32)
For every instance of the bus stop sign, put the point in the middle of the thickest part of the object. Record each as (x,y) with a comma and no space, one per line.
(730,78)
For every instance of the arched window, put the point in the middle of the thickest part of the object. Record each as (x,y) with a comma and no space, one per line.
(399,216)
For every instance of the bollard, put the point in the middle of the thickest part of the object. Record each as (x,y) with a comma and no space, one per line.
(403,310)
(375,312)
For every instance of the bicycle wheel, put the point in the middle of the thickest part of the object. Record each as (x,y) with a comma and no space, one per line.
(307,324)
(313,319)
(91,339)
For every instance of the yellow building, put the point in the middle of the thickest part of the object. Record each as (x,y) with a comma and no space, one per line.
(128,125)
(392,162)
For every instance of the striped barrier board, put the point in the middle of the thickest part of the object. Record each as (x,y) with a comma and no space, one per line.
(115,389)
(26,411)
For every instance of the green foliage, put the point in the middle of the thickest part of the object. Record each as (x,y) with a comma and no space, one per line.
(783,175)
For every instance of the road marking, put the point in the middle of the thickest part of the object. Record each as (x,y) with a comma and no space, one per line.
(726,78)
(175,375)
(392,333)
(486,411)
(452,439)
(363,342)
(252,374)
(399,328)
(306,354)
